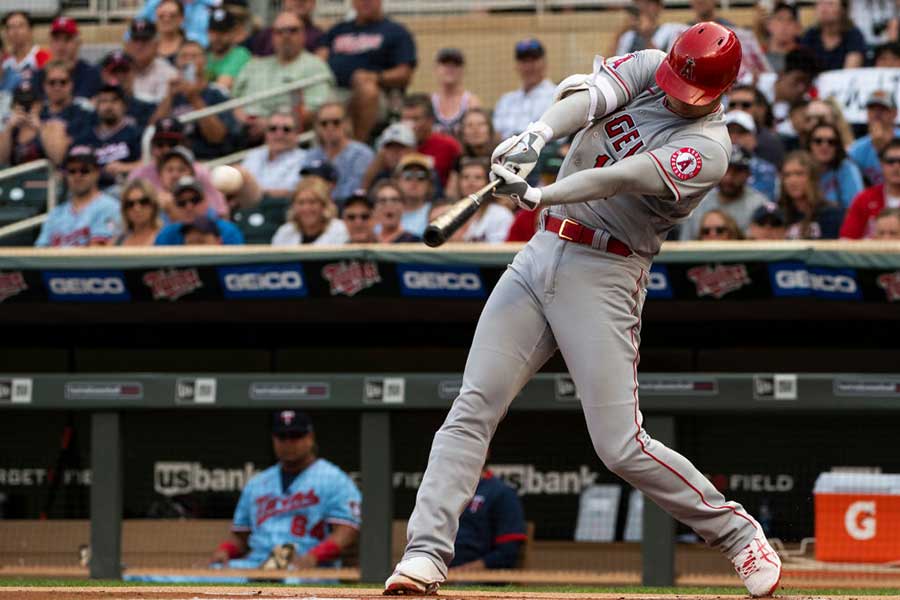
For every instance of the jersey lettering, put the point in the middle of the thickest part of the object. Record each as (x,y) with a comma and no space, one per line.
(622,132)
(270,506)
(622,59)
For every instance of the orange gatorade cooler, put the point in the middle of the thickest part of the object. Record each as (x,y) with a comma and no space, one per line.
(857,517)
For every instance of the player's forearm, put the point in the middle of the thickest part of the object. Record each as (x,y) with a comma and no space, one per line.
(569,114)
(634,174)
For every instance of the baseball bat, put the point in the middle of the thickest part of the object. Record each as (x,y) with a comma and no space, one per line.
(443,227)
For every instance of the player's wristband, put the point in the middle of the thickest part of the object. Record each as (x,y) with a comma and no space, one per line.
(326,551)
(230,548)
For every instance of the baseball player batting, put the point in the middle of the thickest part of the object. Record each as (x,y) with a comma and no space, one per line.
(651,141)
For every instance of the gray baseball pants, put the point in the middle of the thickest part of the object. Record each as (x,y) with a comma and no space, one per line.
(587,303)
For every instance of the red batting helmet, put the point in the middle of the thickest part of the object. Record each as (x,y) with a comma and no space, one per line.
(701,65)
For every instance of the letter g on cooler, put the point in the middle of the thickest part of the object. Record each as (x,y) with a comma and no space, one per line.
(859,520)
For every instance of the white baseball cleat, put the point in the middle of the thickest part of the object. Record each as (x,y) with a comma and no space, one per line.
(416,576)
(759,567)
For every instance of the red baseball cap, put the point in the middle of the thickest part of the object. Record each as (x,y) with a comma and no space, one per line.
(64,25)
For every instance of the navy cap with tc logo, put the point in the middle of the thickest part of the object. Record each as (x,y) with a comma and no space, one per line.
(291,421)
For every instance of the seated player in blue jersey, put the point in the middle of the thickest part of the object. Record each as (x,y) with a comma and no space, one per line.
(304,501)
(491,529)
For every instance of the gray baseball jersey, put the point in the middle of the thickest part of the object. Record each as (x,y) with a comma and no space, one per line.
(691,155)
(587,303)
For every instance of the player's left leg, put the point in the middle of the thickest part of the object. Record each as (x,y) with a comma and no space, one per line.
(596,319)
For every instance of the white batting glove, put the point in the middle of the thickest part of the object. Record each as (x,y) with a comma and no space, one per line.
(521,152)
(514,186)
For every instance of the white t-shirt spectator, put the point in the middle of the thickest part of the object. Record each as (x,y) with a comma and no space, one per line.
(516,109)
(153,84)
(282,173)
(491,227)
(289,235)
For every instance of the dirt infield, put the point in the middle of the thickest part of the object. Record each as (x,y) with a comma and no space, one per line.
(268,593)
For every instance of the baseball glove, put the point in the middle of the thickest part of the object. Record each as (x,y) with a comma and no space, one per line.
(280,558)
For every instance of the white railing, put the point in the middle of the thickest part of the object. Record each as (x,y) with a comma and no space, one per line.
(37,220)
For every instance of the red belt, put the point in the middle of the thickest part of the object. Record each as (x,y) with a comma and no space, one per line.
(574,231)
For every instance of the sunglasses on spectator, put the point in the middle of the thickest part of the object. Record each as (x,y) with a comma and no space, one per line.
(824,140)
(329,122)
(142,201)
(57,82)
(744,105)
(718,230)
(281,128)
(891,160)
(286,30)
(290,436)
(388,198)
(79,170)
(414,176)
(184,201)
(357,216)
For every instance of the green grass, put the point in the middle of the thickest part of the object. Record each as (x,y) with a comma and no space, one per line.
(64,582)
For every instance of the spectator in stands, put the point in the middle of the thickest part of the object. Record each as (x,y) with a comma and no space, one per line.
(747,98)
(117,68)
(716,225)
(26,136)
(189,205)
(60,101)
(767,224)
(23,55)
(478,140)
(783,27)
(389,207)
(9,79)
(808,214)
(881,115)
(195,19)
(169,22)
(442,148)
(888,55)
(312,218)
(742,130)
(491,528)
(793,131)
(705,10)
(276,166)
(89,217)
(413,177)
(169,135)
(262,42)
(492,221)
(358,218)
(642,29)
(793,84)
(151,73)
(877,21)
(247,29)
(65,44)
(323,170)
(335,146)
(393,144)
(451,100)
(835,40)
(226,59)
(202,231)
(859,222)
(828,111)
(840,179)
(516,109)
(371,56)
(116,141)
(329,526)
(887,225)
(732,196)
(210,137)
(290,62)
(141,220)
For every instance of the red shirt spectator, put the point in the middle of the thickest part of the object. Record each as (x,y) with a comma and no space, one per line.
(859,222)
(444,149)
(523,227)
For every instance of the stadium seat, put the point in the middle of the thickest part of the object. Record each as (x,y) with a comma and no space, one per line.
(29,189)
(259,224)
(13,214)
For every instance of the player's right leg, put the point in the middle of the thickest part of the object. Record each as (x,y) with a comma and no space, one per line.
(512,341)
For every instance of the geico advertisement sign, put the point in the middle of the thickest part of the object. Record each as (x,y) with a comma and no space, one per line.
(796,279)
(178,478)
(657,284)
(263,281)
(86,286)
(440,281)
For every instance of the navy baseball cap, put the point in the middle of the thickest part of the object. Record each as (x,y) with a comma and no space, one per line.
(291,421)
(142,30)
(769,214)
(531,48)
(321,168)
(81,153)
(221,20)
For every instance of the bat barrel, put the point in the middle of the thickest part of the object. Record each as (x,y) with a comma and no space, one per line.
(443,227)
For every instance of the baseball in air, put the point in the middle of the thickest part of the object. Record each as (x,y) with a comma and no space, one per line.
(227,179)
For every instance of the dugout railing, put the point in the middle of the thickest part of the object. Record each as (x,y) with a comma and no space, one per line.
(665,398)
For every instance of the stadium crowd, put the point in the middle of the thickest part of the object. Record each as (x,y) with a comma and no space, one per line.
(383,161)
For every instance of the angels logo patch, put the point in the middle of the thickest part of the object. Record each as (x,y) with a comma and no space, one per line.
(686,163)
